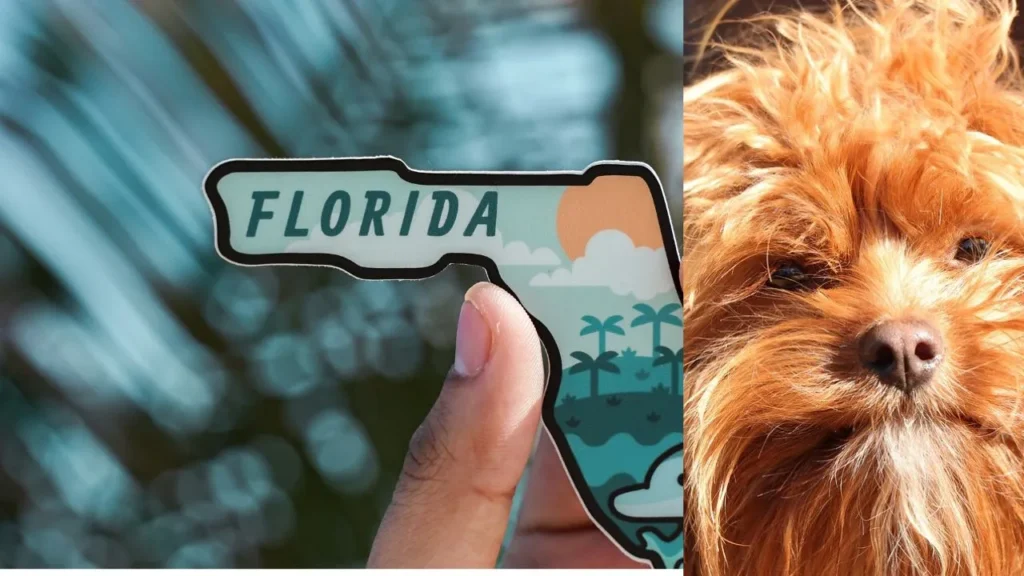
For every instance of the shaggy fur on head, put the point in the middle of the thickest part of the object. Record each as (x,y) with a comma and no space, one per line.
(860,145)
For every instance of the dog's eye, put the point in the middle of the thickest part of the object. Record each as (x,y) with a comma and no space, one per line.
(971,250)
(788,276)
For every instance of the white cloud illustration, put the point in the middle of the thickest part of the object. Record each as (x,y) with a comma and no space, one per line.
(417,250)
(611,260)
(517,253)
(660,497)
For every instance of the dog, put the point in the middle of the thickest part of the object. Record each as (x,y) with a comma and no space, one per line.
(853,278)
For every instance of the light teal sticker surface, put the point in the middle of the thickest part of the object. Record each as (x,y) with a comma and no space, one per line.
(591,256)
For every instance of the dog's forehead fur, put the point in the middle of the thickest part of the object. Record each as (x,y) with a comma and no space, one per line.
(909,119)
(867,141)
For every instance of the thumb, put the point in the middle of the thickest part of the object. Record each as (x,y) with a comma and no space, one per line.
(452,502)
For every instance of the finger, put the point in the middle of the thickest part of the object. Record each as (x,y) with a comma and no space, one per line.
(452,502)
(554,529)
(573,550)
(550,503)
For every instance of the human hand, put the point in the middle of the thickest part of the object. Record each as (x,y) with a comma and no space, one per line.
(452,502)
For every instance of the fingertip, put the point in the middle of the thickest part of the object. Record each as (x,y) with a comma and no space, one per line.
(515,342)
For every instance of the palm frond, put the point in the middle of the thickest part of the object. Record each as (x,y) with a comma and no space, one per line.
(581,356)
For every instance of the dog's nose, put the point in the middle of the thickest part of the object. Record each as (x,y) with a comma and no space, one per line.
(903,353)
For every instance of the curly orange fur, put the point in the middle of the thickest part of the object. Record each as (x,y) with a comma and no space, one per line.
(863,142)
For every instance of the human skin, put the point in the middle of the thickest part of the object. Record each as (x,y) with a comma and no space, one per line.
(452,503)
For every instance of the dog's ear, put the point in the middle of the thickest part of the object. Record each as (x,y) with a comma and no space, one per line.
(729,133)
(972,67)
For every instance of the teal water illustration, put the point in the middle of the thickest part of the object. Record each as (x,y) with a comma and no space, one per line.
(603,466)
(671,549)
(607,461)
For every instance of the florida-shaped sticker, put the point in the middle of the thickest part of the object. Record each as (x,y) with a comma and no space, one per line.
(590,255)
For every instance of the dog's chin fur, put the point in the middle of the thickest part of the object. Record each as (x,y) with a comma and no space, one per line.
(863,143)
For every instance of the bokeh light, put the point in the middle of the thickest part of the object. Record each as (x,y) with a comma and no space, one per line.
(160,407)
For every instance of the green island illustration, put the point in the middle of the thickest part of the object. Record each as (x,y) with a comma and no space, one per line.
(615,404)
(591,256)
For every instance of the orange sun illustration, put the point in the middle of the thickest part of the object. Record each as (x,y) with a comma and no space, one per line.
(610,202)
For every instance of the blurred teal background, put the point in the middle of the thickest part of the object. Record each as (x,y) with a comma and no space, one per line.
(162,408)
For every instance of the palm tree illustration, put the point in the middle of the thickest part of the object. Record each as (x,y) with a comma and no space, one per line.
(602,363)
(602,329)
(664,356)
(648,315)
